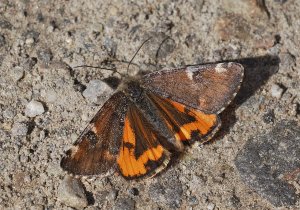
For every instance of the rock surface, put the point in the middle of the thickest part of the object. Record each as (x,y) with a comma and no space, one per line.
(266,161)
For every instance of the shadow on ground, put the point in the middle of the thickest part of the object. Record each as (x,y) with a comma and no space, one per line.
(258,70)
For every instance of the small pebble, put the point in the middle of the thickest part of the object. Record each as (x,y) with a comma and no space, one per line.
(71,192)
(276,91)
(96,90)
(19,129)
(50,29)
(29,41)
(211,206)
(9,113)
(17,73)
(69,40)
(34,108)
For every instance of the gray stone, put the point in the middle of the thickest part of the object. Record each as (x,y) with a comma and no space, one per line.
(19,129)
(124,204)
(9,113)
(96,91)
(276,91)
(34,108)
(71,192)
(266,159)
(17,73)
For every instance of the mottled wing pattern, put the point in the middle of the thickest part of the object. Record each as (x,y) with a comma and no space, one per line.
(97,148)
(141,153)
(208,88)
(186,123)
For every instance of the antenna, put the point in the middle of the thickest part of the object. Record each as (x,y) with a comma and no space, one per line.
(99,67)
(137,52)
(121,61)
(159,48)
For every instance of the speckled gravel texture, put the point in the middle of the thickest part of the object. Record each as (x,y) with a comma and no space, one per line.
(40,42)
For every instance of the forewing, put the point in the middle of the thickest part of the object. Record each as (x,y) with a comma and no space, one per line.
(209,88)
(96,150)
(141,153)
(186,123)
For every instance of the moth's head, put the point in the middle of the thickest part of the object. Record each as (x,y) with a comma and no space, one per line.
(126,81)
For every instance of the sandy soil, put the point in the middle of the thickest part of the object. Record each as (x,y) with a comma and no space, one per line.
(40,42)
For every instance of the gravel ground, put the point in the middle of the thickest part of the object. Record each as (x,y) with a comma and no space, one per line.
(252,163)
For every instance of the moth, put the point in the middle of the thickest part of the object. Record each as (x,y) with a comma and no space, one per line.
(151,117)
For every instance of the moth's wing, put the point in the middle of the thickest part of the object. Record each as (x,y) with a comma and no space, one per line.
(97,148)
(142,151)
(209,88)
(186,123)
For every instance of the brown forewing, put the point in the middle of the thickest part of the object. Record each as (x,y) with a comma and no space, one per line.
(97,148)
(208,88)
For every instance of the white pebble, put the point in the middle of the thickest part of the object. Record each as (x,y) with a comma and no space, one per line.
(34,108)
(97,90)
(29,41)
(276,91)
(210,206)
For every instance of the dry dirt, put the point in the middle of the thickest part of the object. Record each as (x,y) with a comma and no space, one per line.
(40,42)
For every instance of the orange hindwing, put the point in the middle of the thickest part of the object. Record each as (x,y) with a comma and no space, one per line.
(141,152)
(186,123)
